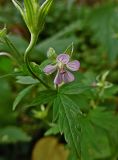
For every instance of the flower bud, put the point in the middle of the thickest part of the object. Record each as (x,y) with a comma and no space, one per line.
(51,53)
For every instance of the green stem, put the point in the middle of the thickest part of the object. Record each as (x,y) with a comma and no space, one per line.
(57,87)
(26,59)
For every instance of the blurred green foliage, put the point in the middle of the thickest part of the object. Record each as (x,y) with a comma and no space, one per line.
(94,32)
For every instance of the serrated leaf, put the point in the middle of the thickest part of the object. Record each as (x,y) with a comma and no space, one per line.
(21,95)
(44,97)
(67,121)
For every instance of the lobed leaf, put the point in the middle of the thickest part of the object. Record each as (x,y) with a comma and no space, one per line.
(67,112)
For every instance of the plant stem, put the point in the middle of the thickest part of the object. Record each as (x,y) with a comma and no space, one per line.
(26,59)
(57,87)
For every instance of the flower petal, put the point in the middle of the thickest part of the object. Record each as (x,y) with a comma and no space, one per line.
(64,58)
(74,65)
(58,78)
(49,69)
(68,77)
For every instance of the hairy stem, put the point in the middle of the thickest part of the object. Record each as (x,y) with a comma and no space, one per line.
(26,59)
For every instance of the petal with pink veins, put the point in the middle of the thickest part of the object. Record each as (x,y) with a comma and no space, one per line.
(67,77)
(49,69)
(73,65)
(63,58)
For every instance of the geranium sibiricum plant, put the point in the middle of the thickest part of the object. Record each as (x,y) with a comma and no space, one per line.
(61,90)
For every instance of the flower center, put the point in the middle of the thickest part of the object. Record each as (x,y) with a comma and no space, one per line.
(60,65)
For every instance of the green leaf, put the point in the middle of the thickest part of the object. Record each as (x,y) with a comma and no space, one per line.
(72,156)
(21,95)
(7,117)
(12,135)
(104,123)
(26,80)
(44,97)
(52,131)
(67,120)
(56,105)
(82,100)
(73,88)
(110,92)
(104,119)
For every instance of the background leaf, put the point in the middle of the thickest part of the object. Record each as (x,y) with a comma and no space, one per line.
(12,134)
(102,21)
(26,80)
(21,95)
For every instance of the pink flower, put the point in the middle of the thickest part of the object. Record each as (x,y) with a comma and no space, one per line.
(62,67)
